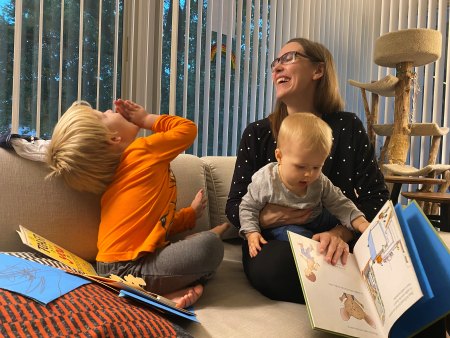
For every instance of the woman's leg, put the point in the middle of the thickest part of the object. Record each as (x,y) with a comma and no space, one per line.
(273,272)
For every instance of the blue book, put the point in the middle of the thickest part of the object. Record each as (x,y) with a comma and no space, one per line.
(431,259)
(158,303)
(39,282)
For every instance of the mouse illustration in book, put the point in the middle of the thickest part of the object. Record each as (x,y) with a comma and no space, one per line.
(354,308)
(311,264)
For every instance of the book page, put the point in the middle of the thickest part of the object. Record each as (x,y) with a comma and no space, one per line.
(386,267)
(54,251)
(336,296)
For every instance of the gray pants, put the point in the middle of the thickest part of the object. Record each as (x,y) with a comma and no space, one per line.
(180,264)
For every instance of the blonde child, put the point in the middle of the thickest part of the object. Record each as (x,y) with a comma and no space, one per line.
(100,153)
(296,180)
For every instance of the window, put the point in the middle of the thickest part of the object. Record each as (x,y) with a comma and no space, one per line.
(221,69)
(54,52)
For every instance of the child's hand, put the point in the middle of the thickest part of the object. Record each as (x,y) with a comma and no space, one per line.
(254,240)
(131,111)
(199,203)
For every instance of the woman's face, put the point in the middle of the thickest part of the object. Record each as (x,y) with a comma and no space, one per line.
(296,78)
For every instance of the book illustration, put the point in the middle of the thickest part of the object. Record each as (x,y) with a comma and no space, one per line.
(353,308)
(311,264)
(39,282)
(386,253)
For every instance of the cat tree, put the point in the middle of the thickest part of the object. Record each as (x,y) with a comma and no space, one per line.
(404,50)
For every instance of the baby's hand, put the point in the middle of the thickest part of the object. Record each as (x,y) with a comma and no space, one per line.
(254,240)
(131,111)
(199,203)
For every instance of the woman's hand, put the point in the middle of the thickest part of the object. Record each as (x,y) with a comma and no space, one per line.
(273,215)
(333,244)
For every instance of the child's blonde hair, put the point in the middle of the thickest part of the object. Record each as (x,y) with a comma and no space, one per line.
(307,128)
(80,152)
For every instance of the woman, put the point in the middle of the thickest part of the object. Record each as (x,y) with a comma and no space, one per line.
(305,80)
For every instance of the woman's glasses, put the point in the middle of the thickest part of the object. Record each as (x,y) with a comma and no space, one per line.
(288,58)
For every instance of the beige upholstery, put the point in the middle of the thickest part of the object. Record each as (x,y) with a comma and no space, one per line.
(229,307)
(49,208)
(219,171)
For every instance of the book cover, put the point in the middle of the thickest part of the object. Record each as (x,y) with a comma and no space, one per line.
(84,269)
(54,251)
(36,281)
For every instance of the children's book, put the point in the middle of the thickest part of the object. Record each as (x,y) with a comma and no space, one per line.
(36,281)
(395,283)
(77,265)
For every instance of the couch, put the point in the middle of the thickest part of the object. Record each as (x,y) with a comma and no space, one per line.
(229,307)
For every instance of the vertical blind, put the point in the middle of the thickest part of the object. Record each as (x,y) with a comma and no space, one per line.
(217,65)
(63,51)
(228,98)
(349,29)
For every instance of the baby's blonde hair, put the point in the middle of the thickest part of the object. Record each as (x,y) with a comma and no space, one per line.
(80,152)
(307,128)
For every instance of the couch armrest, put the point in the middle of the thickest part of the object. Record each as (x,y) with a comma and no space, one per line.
(48,207)
(219,171)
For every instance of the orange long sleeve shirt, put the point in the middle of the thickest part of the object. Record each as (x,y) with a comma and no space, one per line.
(138,209)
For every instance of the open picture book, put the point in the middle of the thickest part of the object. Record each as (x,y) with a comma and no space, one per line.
(130,287)
(395,283)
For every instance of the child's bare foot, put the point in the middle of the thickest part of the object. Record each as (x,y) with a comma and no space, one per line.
(186,297)
(220,229)
(199,203)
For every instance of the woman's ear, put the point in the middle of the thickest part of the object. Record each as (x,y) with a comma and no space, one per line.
(319,71)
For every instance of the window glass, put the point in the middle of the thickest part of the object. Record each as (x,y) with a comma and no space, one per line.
(51,76)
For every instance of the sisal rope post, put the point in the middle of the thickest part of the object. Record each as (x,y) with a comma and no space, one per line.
(399,144)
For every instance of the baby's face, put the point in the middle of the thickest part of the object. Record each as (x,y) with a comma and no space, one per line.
(299,166)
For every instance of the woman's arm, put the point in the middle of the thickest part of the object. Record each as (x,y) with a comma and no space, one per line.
(273,215)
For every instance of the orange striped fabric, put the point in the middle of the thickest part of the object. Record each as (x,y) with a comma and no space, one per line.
(88,311)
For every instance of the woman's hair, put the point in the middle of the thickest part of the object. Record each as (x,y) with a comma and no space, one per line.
(80,152)
(310,130)
(327,97)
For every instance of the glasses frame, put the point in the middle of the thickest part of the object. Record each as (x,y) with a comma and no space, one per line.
(294,53)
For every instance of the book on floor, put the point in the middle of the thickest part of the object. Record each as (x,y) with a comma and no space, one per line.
(76,265)
(395,282)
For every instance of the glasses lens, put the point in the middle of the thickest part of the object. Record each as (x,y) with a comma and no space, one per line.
(288,57)
(274,63)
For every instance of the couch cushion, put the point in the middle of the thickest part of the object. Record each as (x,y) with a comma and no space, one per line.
(219,172)
(47,207)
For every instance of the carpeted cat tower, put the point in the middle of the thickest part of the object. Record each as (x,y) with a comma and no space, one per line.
(403,50)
